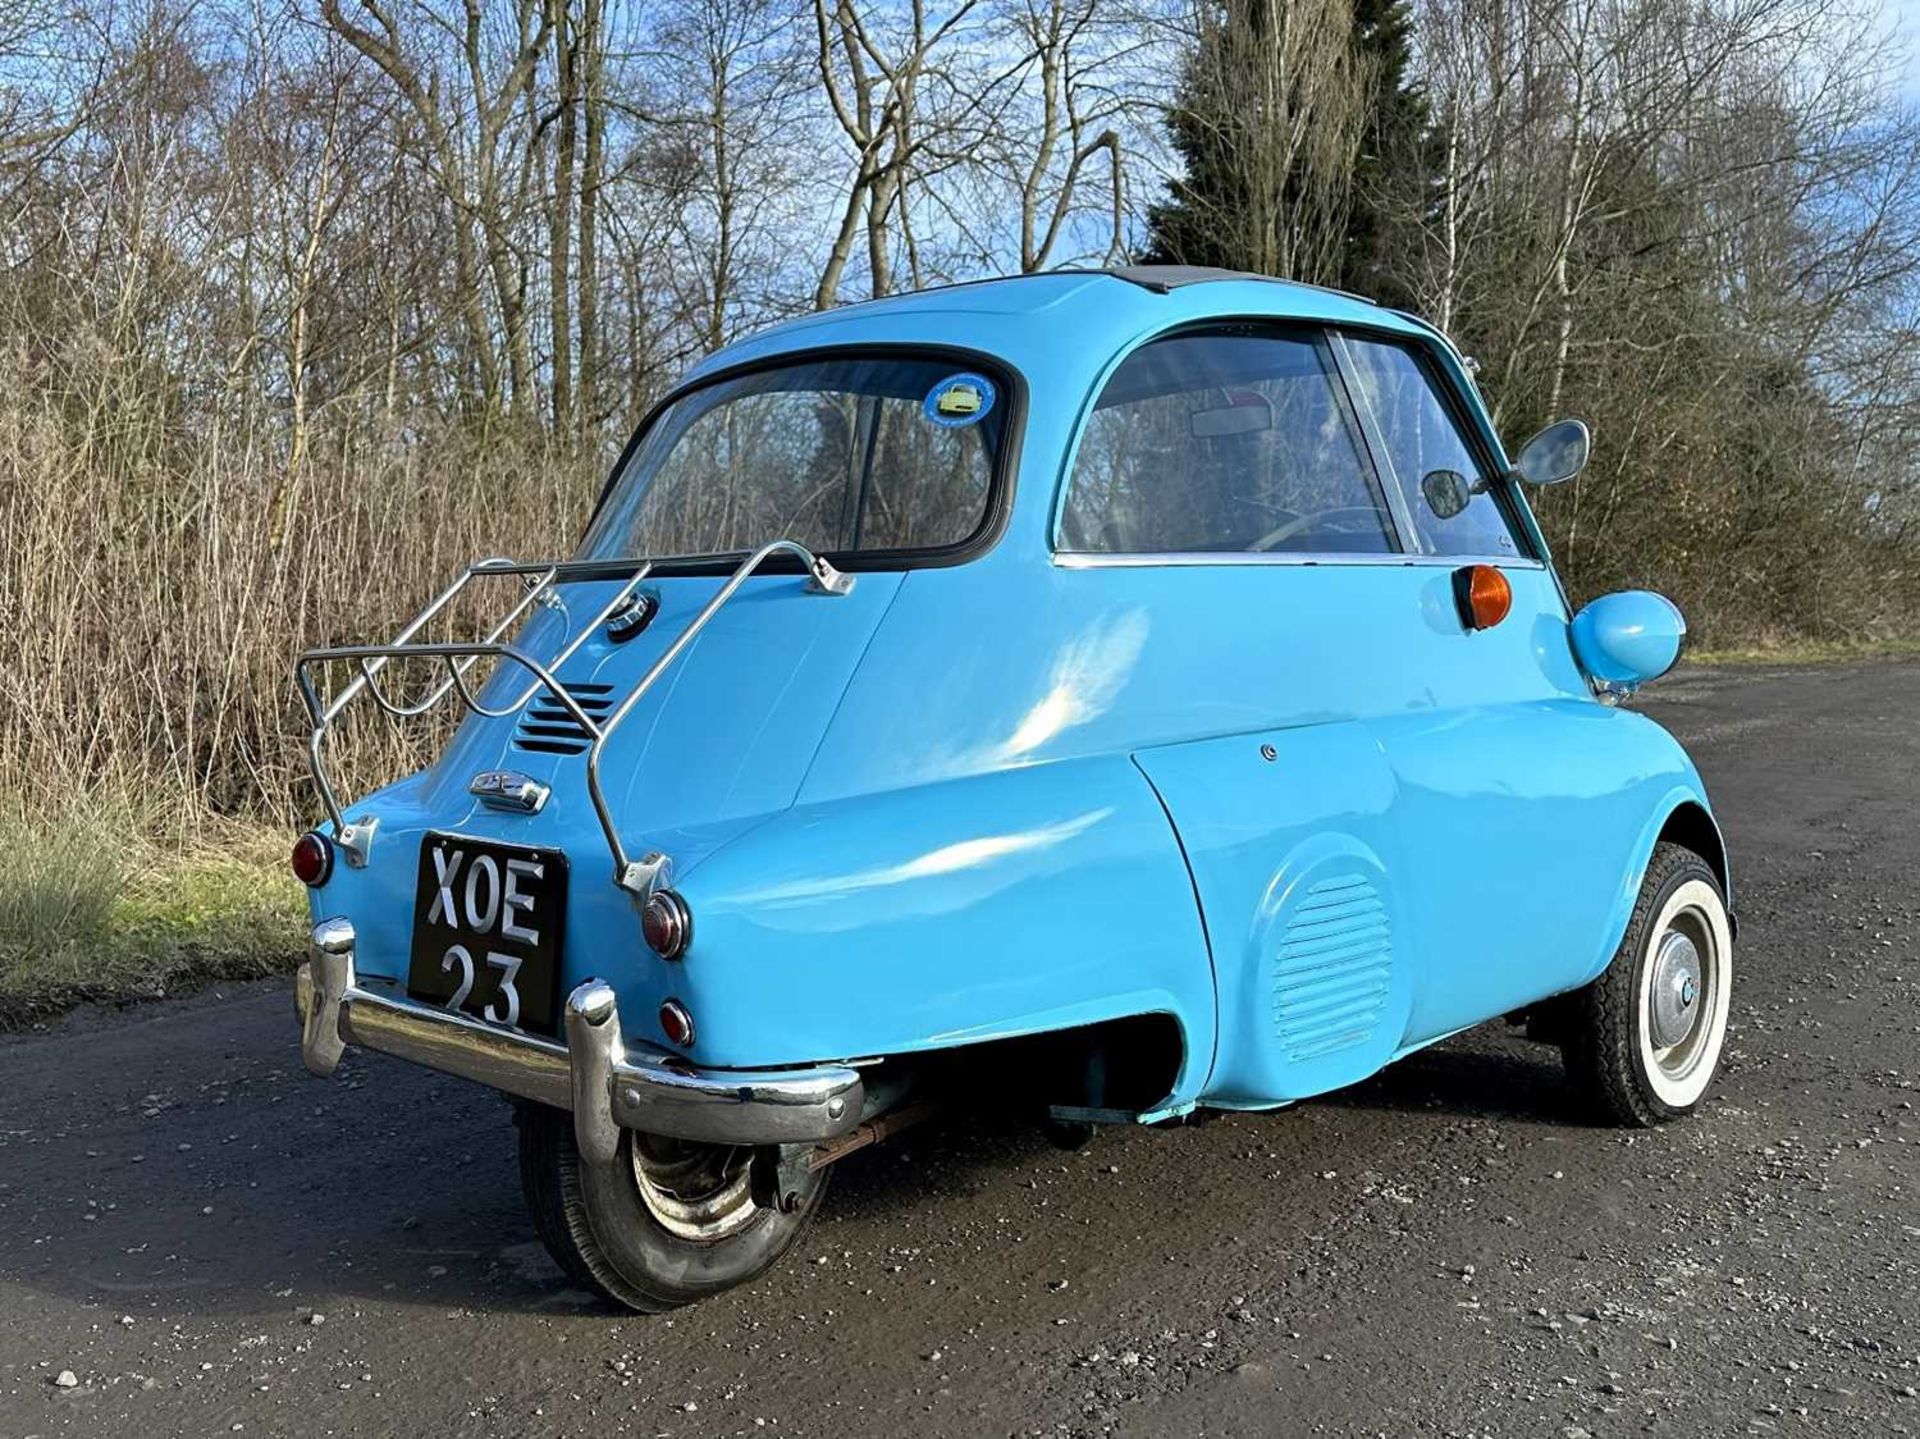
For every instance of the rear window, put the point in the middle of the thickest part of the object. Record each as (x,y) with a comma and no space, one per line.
(849,455)
(1225,442)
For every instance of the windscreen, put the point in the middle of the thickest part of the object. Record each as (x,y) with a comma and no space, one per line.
(847,454)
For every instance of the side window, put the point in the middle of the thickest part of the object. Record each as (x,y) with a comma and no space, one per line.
(1422,439)
(1230,442)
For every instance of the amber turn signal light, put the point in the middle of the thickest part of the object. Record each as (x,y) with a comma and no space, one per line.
(1483,596)
(312,859)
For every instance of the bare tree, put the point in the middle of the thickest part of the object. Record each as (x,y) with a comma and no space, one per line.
(464,127)
(734,96)
(892,97)
(561,217)
(1074,129)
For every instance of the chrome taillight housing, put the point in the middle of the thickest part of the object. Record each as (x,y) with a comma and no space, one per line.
(312,859)
(667,924)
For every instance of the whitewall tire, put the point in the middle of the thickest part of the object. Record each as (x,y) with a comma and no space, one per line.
(1643,1041)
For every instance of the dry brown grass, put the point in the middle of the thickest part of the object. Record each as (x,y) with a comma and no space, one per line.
(150,732)
(154,609)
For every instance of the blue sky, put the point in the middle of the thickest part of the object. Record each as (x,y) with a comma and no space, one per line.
(1904,15)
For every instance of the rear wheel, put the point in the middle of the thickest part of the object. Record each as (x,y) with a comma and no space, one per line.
(1643,1041)
(669,1222)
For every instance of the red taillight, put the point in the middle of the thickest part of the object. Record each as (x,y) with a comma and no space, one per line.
(667,924)
(676,1023)
(312,858)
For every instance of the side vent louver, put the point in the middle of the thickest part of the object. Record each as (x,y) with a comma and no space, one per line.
(1330,978)
(548,727)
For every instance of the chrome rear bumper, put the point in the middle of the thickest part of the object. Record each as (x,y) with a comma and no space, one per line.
(607,1086)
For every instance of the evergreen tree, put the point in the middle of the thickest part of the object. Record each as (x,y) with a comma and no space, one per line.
(1181,230)
(1214,127)
(1391,168)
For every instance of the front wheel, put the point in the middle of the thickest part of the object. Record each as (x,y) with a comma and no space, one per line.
(1642,1042)
(669,1222)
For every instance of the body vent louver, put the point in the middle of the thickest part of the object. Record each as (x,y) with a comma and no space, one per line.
(548,727)
(1331,975)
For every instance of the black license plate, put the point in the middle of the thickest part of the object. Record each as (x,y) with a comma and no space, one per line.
(487,928)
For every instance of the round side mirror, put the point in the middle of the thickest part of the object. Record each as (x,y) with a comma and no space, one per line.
(1556,454)
(1446,492)
(1627,638)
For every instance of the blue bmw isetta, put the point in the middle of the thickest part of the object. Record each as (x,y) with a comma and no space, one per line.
(1115,693)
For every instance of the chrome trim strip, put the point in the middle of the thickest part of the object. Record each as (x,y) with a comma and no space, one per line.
(1088,560)
(605,1084)
(509,790)
(526,1066)
(738,1107)
(1385,476)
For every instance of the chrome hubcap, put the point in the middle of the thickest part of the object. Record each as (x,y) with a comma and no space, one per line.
(1676,1004)
(702,1192)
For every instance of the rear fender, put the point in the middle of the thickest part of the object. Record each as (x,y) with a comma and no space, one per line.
(1011,903)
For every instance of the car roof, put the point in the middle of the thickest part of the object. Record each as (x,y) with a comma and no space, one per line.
(1162,279)
(1037,321)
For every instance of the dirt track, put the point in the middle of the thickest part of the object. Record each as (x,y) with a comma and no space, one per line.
(208,1239)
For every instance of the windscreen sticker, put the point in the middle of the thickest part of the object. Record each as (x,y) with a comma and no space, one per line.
(959,400)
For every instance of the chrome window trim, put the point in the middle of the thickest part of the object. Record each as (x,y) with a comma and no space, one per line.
(1332,340)
(1002,478)
(1096,560)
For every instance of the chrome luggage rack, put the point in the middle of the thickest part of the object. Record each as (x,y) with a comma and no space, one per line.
(639,876)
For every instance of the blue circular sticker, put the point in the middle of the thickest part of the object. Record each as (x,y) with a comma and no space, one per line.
(958,401)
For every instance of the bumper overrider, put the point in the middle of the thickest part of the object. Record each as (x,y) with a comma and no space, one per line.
(607,1086)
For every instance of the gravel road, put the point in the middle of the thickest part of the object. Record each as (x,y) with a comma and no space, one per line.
(196,1238)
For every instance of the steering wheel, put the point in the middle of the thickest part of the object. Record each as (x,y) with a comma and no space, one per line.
(1273,539)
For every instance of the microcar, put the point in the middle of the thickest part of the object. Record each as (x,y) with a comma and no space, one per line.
(1111,694)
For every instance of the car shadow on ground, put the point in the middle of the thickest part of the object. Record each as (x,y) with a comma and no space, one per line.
(1483,1075)
(402,1187)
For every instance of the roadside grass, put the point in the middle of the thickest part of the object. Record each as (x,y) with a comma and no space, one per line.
(92,912)
(1802,652)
